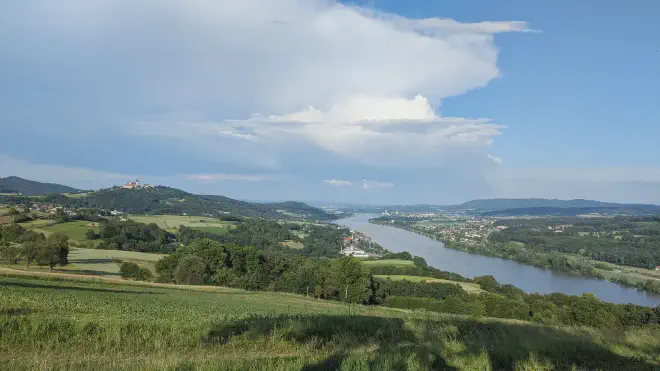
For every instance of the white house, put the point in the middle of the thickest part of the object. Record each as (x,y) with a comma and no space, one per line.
(354,251)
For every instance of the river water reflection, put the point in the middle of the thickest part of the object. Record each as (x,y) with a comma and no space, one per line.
(528,278)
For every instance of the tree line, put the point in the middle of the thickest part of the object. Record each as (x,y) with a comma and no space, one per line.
(208,262)
(18,244)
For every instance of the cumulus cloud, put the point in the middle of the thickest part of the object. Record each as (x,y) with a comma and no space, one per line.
(337,182)
(271,75)
(495,159)
(369,130)
(371,184)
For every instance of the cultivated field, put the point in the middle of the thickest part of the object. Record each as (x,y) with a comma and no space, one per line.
(292,244)
(76,230)
(77,195)
(60,324)
(172,222)
(392,262)
(39,223)
(96,262)
(472,288)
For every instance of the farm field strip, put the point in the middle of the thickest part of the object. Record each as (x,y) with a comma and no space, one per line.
(392,262)
(174,221)
(472,288)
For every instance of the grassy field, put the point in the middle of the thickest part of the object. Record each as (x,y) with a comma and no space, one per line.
(76,230)
(77,195)
(171,222)
(393,262)
(61,324)
(37,223)
(472,288)
(97,262)
(293,244)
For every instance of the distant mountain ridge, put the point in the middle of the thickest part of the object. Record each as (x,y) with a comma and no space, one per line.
(553,207)
(14,184)
(521,203)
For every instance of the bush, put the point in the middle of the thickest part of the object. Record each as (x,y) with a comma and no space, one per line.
(132,271)
(191,271)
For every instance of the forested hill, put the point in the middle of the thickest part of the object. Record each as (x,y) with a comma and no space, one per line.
(166,200)
(542,206)
(14,184)
(574,211)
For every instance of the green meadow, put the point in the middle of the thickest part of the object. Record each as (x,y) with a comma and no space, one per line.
(472,288)
(172,222)
(390,262)
(57,324)
(76,230)
(96,262)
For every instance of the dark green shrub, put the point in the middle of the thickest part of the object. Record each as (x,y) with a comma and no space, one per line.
(132,271)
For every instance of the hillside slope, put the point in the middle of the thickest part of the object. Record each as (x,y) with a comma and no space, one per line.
(14,184)
(122,326)
(166,200)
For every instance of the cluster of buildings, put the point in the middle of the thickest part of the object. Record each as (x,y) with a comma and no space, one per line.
(45,207)
(351,245)
(136,184)
(559,228)
(470,231)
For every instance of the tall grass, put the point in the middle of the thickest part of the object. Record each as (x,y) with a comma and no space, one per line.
(48,324)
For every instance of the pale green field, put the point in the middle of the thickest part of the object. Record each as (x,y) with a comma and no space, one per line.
(76,230)
(174,221)
(300,234)
(393,262)
(97,262)
(39,223)
(77,195)
(471,288)
(292,244)
(216,230)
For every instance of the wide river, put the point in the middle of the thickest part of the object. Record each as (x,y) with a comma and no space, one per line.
(526,277)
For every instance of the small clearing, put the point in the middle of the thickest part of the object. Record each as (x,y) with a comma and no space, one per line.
(392,262)
(472,288)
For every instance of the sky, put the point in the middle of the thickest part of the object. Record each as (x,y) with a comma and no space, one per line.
(381,102)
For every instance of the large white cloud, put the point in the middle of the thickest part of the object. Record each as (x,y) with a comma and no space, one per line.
(355,82)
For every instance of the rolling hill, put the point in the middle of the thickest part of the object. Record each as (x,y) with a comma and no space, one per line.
(156,200)
(166,200)
(14,184)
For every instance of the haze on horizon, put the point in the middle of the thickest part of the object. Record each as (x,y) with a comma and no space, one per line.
(376,102)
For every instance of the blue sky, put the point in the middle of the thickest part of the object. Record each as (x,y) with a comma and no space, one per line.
(369,101)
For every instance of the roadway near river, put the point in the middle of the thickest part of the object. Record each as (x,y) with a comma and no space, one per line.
(526,277)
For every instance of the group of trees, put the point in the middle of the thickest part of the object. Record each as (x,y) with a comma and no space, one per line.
(206,261)
(133,236)
(625,240)
(209,262)
(18,244)
(324,240)
(251,232)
